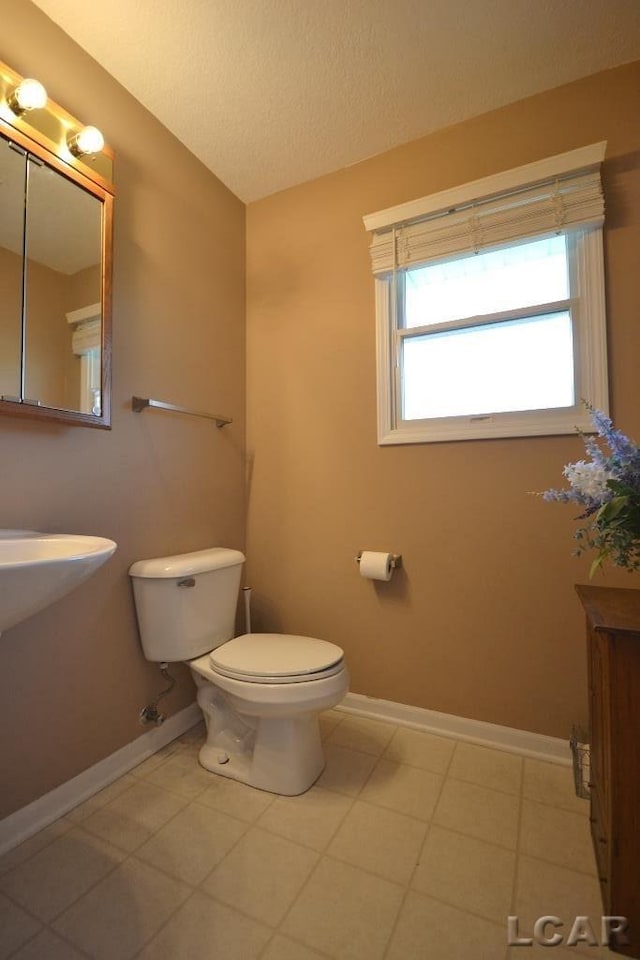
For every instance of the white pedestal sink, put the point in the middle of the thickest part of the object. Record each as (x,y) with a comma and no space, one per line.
(38,568)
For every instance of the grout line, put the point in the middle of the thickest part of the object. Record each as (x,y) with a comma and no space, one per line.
(173,913)
(131,850)
(409,888)
(46,928)
(24,943)
(313,871)
(79,950)
(56,916)
(318,951)
(53,838)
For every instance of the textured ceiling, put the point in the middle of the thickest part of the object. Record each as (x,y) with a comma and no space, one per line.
(270,93)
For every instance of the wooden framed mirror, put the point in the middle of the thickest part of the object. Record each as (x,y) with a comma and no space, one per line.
(56,213)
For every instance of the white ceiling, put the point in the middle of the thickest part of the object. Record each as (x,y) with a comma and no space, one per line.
(270,93)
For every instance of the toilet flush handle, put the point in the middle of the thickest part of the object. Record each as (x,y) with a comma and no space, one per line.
(186,582)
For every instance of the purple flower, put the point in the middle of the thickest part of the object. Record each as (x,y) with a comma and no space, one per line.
(607,487)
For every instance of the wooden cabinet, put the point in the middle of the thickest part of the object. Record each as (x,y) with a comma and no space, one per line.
(613,645)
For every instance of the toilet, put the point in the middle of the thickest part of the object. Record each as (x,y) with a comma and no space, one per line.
(260,693)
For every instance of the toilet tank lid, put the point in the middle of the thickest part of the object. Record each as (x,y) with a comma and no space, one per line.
(187,564)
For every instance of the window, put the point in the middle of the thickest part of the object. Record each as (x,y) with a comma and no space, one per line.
(490,305)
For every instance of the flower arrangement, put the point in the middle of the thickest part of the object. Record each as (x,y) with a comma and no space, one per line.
(607,486)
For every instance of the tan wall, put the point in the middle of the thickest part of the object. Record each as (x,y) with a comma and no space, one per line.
(73,677)
(10,322)
(84,288)
(48,337)
(482,621)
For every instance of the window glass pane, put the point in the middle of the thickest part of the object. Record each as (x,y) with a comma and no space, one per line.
(489,282)
(499,367)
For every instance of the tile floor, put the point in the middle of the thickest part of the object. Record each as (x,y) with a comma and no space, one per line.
(410,846)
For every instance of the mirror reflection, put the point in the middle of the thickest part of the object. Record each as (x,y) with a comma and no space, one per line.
(13,171)
(50,275)
(62,292)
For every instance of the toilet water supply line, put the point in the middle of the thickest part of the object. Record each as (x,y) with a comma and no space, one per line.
(150,713)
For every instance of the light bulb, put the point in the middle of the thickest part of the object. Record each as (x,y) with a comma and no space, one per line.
(87,141)
(28,95)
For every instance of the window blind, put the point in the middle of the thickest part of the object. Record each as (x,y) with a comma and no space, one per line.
(568,201)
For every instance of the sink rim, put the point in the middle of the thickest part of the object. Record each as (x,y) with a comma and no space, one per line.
(82,547)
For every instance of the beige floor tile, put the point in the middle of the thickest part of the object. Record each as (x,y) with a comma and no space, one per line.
(16,927)
(100,799)
(152,763)
(192,843)
(346,771)
(118,916)
(157,758)
(556,835)
(435,931)
(60,873)
(282,948)
(134,816)
(485,814)
(236,799)
(379,840)
(262,875)
(553,784)
(544,889)
(420,750)
(48,946)
(403,788)
(344,912)
(34,844)
(203,929)
(495,769)
(359,733)
(467,873)
(310,819)
(181,774)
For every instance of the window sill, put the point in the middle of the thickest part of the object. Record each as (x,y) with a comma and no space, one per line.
(500,425)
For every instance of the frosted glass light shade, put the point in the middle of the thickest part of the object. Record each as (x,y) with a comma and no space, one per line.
(28,95)
(89,140)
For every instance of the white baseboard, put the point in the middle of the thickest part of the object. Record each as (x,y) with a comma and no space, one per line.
(523,742)
(35,816)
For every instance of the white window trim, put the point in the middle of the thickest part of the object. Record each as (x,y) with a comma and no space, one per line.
(588,316)
(529,173)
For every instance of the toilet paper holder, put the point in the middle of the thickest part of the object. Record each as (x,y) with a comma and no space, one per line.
(396,560)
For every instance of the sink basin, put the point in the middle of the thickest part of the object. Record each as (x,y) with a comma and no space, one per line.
(37,569)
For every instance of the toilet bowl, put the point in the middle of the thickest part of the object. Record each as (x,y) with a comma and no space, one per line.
(260,693)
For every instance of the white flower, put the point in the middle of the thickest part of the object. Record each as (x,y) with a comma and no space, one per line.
(589,480)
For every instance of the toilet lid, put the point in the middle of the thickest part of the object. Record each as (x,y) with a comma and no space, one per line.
(274,655)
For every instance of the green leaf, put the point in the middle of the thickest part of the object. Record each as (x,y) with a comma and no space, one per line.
(612,508)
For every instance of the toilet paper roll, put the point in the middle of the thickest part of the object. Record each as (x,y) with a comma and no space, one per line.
(375,566)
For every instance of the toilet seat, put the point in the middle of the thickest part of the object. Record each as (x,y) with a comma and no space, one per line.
(276,658)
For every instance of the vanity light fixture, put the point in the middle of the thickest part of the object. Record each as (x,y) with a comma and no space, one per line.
(28,95)
(86,142)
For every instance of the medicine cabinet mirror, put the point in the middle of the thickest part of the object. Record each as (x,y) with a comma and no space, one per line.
(55,270)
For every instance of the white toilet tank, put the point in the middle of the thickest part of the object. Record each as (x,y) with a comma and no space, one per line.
(186,605)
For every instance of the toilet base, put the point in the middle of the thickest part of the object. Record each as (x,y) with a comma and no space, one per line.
(262,734)
(284,756)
